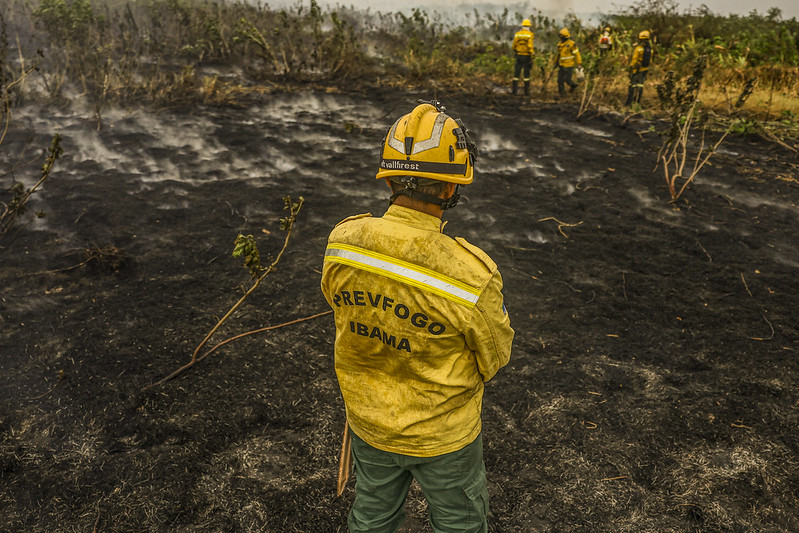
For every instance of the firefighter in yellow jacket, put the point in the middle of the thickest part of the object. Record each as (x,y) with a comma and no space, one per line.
(567,59)
(639,65)
(421,325)
(523,48)
(605,42)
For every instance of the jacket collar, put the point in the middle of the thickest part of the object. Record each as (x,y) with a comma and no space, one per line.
(415,219)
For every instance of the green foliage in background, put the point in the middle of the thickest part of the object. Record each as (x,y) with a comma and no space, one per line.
(163,51)
(731,41)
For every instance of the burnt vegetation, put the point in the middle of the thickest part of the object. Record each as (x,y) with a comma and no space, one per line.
(653,382)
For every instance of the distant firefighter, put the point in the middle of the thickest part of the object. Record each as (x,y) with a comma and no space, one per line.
(523,47)
(639,65)
(568,57)
(605,41)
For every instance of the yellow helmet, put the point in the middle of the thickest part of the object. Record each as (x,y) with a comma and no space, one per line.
(526,22)
(564,33)
(607,29)
(644,35)
(428,143)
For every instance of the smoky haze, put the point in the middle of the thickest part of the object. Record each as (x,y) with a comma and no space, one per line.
(558,9)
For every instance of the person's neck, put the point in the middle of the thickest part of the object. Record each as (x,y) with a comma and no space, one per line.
(424,207)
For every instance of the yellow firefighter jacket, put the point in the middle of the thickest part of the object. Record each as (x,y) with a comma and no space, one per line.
(637,59)
(523,43)
(568,54)
(420,327)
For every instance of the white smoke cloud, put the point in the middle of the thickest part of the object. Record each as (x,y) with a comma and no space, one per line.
(555,8)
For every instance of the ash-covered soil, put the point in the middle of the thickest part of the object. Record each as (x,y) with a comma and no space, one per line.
(653,386)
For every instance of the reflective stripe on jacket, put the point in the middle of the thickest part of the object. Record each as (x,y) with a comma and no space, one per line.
(420,326)
(523,43)
(568,54)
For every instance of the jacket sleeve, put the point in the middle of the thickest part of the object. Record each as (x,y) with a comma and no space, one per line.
(489,334)
(578,59)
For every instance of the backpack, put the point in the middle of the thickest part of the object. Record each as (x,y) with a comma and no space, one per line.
(647,55)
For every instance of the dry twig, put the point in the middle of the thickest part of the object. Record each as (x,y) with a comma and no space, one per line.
(252,261)
(709,259)
(196,360)
(746,286)
(268,328)
(587,96)
(561,225)
(108,255)
(770,326)
(624,284)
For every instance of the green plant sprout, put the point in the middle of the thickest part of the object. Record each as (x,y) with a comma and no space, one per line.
(9,212)
(246,31)
(19,195)
(246,247)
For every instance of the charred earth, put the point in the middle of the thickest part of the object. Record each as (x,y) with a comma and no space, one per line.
(653,386)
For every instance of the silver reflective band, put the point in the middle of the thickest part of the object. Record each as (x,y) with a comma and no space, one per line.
(396,269)
(419,146)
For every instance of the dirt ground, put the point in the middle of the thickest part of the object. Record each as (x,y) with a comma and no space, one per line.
(653,385)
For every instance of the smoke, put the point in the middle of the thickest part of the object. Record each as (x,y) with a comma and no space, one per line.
(455,11)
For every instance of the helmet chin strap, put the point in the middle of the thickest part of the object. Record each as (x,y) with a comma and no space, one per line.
(412,192)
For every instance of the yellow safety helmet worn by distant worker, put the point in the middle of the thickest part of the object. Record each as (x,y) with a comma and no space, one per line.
(564,33)
(644,35)
(607,29)
(526,23)
(424,145)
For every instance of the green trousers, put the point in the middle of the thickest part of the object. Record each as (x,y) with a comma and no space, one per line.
(454,485)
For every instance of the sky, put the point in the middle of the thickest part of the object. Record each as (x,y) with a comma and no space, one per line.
(790,8)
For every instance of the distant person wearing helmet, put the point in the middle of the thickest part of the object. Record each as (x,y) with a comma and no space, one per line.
(639,65)
(605,41)
(420,327)
(523,47)
(567,58)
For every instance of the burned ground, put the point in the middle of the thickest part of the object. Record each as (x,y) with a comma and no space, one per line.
(654,377)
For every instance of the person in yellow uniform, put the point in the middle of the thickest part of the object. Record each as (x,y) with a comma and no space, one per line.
(421,326)
(523,48)
(566,60)
(605,41)
(639,65)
